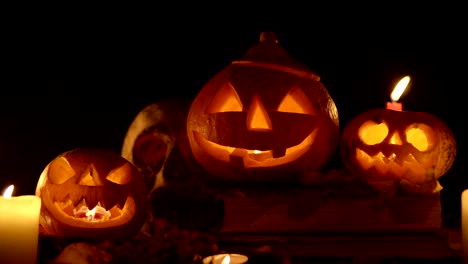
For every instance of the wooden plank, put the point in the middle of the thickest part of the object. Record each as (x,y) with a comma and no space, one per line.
(328,210)
(427,246)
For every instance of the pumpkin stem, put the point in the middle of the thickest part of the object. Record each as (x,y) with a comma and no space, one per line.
(268,36)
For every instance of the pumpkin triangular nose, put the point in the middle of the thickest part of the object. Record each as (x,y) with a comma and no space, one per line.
(395,139)
(90,177)
(257,117)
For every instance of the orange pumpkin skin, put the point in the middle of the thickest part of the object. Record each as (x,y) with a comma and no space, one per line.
(263,118)
(89,177)
(416,147)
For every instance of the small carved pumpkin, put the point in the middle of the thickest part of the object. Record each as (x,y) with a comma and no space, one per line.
(263,118)
(91,193)
(397,146)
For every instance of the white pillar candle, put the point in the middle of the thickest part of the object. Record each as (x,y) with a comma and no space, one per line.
(19,228)
(226,259)
(464,222)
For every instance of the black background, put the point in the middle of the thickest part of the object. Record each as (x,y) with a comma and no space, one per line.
(69,83)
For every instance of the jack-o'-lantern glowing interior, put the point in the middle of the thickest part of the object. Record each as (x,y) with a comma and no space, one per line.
(264,114)
(388,145)
(91,193)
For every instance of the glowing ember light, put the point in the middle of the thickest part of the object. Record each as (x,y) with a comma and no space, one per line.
(98,213)
(399,88)
(226,260)
(8,192)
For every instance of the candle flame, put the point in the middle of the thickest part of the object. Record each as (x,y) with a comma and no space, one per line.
(8,192)
(399,88)
(226,260)
(98,213)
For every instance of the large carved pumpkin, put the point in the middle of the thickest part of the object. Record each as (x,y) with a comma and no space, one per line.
(263,118)
(91,193)
(382,145)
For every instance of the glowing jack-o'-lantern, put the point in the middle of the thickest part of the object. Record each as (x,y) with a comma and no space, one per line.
(91,193)
(263,118)
(387,145)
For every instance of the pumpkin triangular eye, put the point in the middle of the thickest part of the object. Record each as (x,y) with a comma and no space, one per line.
(421,136)
(372,133)
(296,101)
(121,175)
(60,170)
(225,100)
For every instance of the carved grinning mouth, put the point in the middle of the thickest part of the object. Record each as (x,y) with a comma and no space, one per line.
(82,211)
(92,214)
(255,158)
(391,165)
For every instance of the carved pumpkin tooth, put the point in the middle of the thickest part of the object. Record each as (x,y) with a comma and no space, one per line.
(80,203)
(277,153)
(415,158)
(385,159)
(121,200)
(399,161)
(110,200)
(92,197)
(236,161)
(91,203)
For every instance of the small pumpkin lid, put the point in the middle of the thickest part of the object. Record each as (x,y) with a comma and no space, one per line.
(268,51)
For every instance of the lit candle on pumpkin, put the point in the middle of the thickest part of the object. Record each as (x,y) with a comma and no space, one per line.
(19,227)
(396,94)
(226,259)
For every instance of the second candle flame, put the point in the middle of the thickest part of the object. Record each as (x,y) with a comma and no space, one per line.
(399,88)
